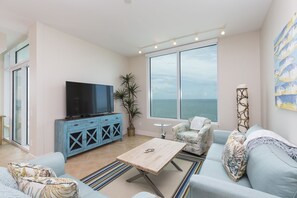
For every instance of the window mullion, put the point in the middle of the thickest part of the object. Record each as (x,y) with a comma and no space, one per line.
(178,68)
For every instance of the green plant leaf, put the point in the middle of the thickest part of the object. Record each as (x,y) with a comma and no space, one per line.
(127,94)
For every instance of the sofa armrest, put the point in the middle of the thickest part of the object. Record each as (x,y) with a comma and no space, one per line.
(220,136)
(54,161)
(204,186)
(184,126)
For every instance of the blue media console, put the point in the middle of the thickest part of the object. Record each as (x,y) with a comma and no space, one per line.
(78,135)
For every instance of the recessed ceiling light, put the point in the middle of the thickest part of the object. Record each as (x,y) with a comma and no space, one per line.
(223,32)
(196,38)
(156,46)
(174,43)
(139,52)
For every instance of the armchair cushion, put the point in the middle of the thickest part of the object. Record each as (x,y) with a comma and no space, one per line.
(197,123)
(188,136)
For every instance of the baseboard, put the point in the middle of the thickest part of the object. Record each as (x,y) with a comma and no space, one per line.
(153,134)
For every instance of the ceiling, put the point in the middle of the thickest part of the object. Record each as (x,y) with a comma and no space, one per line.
(124,26)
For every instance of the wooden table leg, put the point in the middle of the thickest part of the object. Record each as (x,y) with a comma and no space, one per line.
(176,166)
(148,180)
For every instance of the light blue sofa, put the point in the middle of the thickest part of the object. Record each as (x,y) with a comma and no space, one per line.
(270,173)
(8,187)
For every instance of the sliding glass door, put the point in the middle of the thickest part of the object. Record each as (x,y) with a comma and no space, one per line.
(19,106)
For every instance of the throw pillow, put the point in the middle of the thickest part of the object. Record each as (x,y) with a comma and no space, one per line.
(234,158)
(18,170)
(48,187)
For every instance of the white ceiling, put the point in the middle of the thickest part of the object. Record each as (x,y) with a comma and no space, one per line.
(124,27)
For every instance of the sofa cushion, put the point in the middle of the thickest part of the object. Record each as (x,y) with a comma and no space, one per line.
(6,191)
(188,136)
(85,190)
(271,170)
(220,136)
(48,187)
(234,158)
(215,169)
(253,129)
(6,179)
(215,152)
(144,195)
(55,161)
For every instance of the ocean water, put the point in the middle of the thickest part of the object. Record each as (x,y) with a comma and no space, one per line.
(189,108)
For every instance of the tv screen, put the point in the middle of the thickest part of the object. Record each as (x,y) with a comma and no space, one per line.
(83,99)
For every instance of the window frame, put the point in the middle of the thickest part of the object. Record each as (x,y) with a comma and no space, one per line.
(12,64)
(178,51)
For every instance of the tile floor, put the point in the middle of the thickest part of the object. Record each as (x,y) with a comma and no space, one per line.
(83,164)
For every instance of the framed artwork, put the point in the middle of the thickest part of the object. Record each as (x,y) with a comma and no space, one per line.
(285,66)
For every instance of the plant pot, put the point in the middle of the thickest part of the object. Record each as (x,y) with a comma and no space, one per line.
(131,131)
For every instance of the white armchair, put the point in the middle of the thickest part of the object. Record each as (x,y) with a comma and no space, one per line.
(197,141)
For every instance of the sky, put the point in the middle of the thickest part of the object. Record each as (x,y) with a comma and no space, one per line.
(198,74)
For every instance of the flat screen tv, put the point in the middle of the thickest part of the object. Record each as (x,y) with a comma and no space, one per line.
(83,99)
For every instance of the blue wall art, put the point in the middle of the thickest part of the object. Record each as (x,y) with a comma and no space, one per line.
(285,66)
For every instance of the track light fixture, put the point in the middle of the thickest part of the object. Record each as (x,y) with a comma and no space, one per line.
(220,30)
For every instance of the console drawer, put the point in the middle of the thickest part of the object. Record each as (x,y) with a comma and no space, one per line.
(77,124)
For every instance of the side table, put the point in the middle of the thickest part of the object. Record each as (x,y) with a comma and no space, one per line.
(161,125)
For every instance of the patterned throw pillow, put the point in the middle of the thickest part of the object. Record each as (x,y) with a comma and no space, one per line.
(18,170)
(234,158)
(48,187)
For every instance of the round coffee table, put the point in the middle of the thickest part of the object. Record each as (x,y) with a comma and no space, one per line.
(161,125)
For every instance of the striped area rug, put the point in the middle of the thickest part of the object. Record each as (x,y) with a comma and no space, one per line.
(105,176)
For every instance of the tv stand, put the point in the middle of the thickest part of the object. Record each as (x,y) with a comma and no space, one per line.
(77,135)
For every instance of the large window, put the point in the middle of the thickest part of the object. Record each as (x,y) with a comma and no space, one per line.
(183,84)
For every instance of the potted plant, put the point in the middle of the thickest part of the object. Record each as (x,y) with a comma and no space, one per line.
(127,95)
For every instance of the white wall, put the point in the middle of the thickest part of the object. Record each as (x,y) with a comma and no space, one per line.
(238,62)
(279,120)
(56,57)
(1,83)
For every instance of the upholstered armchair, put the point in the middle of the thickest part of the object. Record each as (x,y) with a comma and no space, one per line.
(197,141)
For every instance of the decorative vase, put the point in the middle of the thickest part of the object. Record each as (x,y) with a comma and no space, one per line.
(131,131)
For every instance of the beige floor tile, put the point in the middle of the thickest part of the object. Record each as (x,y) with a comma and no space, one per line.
(83,164)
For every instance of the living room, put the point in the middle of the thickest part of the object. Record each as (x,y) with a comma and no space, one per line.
(101,53)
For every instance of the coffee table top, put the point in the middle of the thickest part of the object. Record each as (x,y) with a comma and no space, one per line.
(152,162)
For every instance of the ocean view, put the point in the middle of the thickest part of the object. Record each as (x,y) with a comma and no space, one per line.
(189,108)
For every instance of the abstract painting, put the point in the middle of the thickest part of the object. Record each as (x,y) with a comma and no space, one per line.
(285,66)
